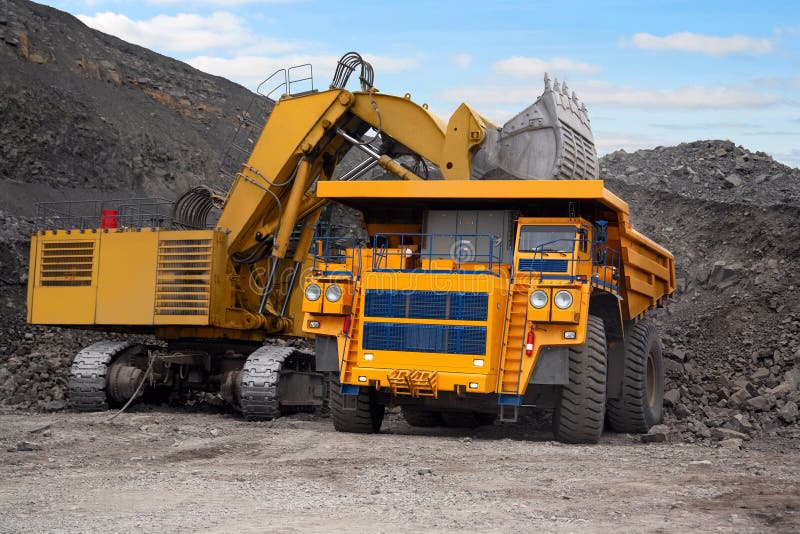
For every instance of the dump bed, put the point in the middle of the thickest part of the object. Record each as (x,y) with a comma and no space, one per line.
(648,270)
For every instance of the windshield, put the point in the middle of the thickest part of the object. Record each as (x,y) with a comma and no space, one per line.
(549,238)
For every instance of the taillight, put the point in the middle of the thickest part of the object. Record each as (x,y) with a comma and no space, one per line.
(529,343)
(346,325)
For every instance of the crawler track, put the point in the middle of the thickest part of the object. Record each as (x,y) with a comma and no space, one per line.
(260,376)
(87,378)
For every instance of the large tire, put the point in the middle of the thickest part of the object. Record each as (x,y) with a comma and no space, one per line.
(418,417)
(580,409)
(365,419)
(640,405)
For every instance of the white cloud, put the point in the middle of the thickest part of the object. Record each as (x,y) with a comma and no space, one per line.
(250,70)
(689,97)
(607,142)
(462,61)
(188,32)
(791,158)
(705,44)
(598,92)
(390,64)
(524,67)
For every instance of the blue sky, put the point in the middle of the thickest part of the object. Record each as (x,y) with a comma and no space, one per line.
(651,73)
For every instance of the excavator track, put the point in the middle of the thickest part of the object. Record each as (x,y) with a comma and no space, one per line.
(87,378)
(260,376)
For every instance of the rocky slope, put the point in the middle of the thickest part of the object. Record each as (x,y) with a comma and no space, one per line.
(86,115)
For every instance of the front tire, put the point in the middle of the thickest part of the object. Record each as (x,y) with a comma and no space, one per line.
(641,403)
(580,409)
(367,417)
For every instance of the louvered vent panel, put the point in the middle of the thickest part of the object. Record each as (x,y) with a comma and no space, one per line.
(66,263)
(183,277)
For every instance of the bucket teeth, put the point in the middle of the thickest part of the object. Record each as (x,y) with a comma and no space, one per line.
(547,86)
(556,86)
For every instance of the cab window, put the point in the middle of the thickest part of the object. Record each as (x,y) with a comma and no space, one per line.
(547,238)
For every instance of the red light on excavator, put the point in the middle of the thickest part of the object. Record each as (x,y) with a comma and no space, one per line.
(346,325)
(529,343)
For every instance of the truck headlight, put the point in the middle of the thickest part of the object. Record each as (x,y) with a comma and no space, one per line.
(313,292)
(563,299)
(538,299)
(333,293)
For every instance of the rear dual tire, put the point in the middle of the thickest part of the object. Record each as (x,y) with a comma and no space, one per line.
(640,405)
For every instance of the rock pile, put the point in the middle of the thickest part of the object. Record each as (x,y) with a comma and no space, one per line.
(717,171)
(731,336)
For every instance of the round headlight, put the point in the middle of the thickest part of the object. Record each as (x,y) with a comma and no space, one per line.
(563,299)
(313,292)
(333,293)
(538,299)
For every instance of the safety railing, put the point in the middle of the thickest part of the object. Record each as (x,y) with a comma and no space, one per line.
(463,253)
(607,268)
(337,256)
(551,262)
(112,213)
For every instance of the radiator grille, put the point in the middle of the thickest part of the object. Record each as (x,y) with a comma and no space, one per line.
(442,305)
(542,265)
(425,338)
(66,263)
(183,277)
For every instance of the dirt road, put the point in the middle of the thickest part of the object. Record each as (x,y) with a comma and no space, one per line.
(166,470)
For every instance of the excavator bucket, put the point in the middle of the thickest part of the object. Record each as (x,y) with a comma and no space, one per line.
(550,140)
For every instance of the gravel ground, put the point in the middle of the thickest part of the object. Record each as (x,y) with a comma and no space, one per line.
(173,470)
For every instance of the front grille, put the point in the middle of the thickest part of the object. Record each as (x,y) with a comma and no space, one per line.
(183,277)
(66,264)
(441,305)
(446,339)
(542,265)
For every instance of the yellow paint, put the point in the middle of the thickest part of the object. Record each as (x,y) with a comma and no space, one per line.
(127,278)
(62,261)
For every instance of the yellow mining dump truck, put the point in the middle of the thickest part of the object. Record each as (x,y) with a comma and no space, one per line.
(474,298)
(473,227)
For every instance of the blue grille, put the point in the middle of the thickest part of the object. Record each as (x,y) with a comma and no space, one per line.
(425,338)
(542,266)
(441,305)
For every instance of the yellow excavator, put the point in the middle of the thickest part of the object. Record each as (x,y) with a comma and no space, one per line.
(215,275)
